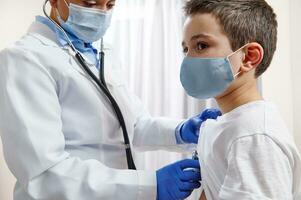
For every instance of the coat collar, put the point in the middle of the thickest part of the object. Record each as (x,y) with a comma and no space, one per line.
(43,33)
(47,37)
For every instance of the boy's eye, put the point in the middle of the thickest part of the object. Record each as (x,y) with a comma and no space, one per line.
(185,50)
(200,46)
(89,3)
(111,6)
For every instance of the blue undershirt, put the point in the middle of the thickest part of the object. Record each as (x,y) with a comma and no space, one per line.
(85,48)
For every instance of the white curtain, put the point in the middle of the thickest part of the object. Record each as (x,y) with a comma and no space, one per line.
(147,36)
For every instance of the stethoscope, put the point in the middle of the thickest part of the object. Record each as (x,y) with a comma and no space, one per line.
(101,83)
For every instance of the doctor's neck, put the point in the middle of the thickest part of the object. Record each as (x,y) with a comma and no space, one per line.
(238,94)
(53,15)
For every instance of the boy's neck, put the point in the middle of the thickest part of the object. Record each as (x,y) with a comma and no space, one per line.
(244,94)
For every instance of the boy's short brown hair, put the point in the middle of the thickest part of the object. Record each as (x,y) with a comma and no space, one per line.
(243,21)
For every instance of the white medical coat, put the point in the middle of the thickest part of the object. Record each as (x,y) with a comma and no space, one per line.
(61,138)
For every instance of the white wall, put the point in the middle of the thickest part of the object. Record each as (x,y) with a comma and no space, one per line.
(296,66)
(281,81)
(15,17)
(277,81)
(280,84)
(7,180)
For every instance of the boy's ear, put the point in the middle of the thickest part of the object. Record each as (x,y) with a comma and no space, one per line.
(253,56)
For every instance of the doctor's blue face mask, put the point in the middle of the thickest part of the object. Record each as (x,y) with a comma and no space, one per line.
(204,78)
(87,24)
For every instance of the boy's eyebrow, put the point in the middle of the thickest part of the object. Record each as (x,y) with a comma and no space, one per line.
(197,36)
(200,35)
(92,1)
(183,44)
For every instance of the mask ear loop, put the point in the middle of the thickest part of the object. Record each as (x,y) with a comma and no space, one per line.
(236,75)
(66,3)
(228,58)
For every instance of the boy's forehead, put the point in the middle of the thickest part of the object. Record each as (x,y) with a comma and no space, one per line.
(204,24)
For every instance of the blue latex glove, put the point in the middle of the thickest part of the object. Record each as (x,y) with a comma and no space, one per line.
(189,130)
(178,180)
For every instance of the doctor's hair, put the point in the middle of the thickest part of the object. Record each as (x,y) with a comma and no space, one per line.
(243,21)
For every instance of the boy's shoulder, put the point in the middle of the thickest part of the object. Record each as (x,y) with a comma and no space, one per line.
(244,120)
(259,117)
(249,120)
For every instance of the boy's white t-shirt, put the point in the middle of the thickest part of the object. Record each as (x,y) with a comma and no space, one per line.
(249,154)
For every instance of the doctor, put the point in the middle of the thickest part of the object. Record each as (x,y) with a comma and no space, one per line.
(61,135)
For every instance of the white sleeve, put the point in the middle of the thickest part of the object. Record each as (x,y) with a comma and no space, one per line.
(155,133)
(33,141)
(257,169)
(151,133)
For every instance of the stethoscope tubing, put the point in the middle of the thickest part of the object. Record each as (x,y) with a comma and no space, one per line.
(101,83)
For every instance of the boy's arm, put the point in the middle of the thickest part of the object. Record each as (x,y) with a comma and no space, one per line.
(257,169)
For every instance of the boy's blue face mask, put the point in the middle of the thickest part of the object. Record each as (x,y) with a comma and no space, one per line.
(87,24)
(204,78)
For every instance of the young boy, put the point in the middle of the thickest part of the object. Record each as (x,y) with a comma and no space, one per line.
(248,152)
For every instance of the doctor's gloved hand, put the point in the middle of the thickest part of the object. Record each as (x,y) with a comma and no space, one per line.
(178,180)
(189,130)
